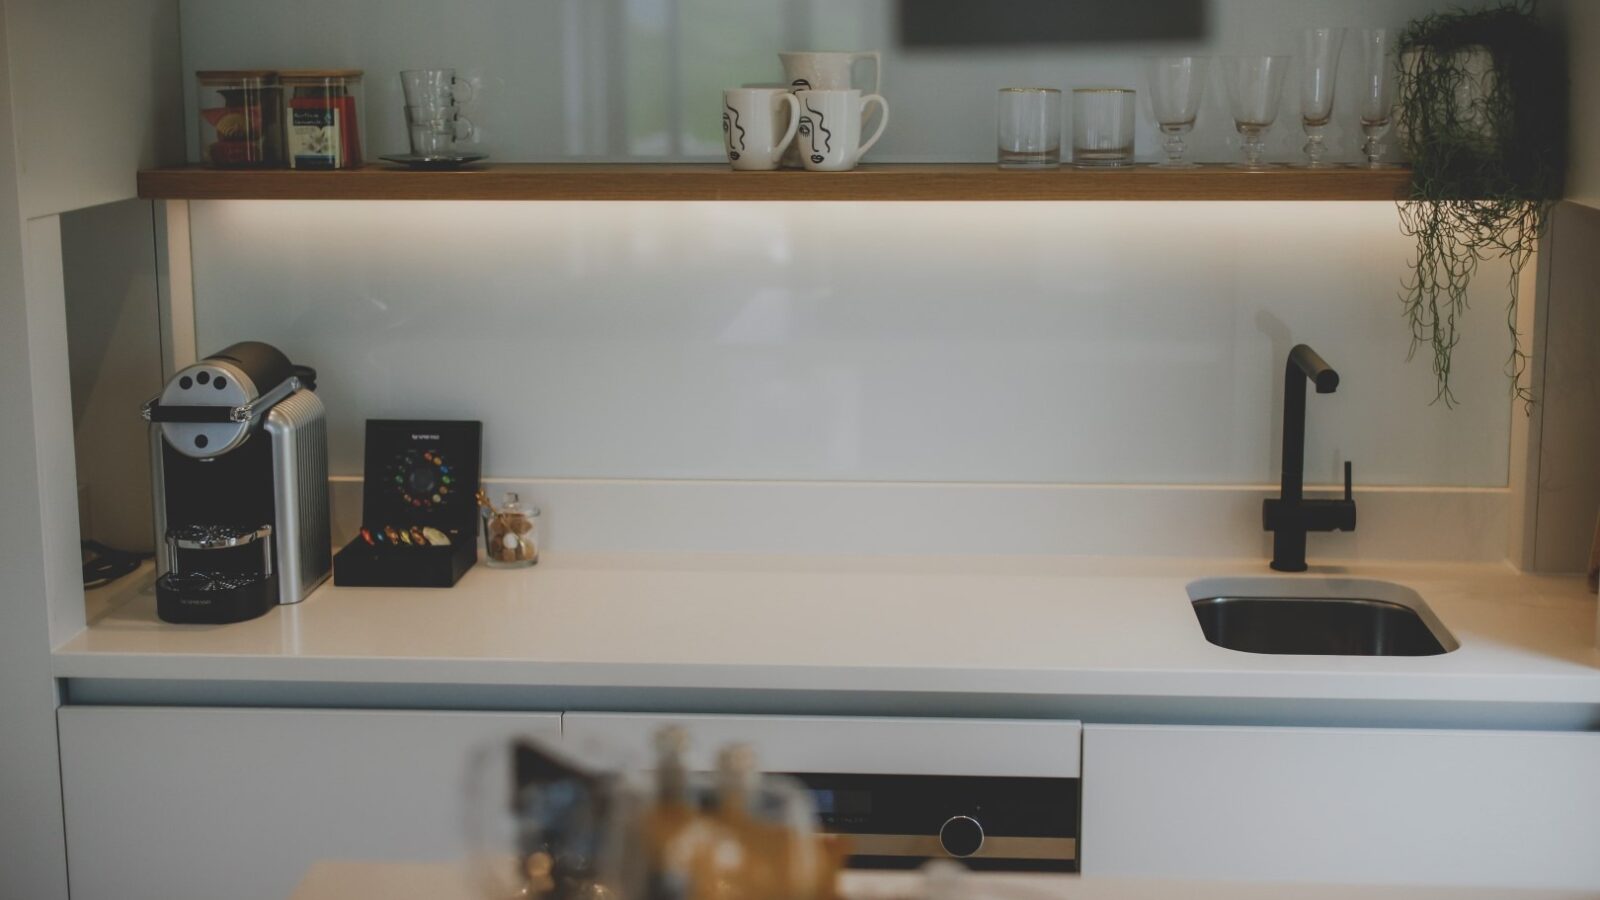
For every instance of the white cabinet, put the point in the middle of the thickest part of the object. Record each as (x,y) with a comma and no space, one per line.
(1343,805)
(170,804)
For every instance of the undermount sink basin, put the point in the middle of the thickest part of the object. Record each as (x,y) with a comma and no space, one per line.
(1322,617)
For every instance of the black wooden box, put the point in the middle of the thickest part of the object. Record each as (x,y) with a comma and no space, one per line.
(419,475)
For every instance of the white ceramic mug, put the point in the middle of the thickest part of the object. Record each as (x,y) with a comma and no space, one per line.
(757,126)
(829,136)
(813,70)
(824,71)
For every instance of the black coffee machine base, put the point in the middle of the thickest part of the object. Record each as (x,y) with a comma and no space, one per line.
(214,600)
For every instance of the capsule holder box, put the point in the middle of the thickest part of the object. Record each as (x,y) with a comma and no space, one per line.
(422,474)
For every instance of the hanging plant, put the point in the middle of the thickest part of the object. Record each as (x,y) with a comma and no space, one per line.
(1483,110)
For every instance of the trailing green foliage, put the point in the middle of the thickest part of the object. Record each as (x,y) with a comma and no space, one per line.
(1483,116)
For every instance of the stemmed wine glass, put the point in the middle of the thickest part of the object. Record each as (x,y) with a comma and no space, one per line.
(1319,71)
(1255,90)
(1176,84)
(1378,74)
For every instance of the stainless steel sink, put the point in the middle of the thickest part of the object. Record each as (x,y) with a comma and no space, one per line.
(1326,617)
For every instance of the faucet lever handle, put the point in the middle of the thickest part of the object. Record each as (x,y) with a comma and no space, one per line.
(1349,492)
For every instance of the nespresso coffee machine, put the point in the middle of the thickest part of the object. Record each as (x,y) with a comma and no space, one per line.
(239,449)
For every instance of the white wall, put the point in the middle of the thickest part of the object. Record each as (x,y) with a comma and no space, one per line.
(1582,26)
(87,95)
(1071,342)
(620,79)
(32,854)
(97,100)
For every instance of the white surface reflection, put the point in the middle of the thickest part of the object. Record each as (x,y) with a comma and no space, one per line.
(1010,342)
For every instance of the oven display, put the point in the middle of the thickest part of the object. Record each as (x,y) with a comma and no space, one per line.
(900,821)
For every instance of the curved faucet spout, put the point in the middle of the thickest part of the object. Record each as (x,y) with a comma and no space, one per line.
(1290,515)
(1314,367)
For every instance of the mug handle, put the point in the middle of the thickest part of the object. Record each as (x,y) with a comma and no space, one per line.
(877,69)
(794,121)
(455,129)
(883,122)
(466,92)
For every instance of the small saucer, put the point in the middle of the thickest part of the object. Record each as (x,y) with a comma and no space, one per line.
(442,161)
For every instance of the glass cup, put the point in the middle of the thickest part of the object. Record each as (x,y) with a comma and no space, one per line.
(1030,128)
(1378,73)
(435,88)
(1176,85)
(1319,71)
(1102,126)
(1255,90)
(433,132)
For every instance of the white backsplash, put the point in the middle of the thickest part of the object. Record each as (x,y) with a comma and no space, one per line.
(984,342)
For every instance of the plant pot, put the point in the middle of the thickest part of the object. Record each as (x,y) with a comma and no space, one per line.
(1465,117)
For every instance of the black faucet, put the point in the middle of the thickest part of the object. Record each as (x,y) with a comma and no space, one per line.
(1290,516)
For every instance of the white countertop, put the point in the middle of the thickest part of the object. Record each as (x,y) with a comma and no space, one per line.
(341,880)
(952,625)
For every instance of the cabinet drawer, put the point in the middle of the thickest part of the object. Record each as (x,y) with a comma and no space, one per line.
(1343,805)
(168,804)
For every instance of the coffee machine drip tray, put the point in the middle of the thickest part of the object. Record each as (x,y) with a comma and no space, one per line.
(220,573)
(215,597)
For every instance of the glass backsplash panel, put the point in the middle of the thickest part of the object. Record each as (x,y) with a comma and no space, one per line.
(994,342)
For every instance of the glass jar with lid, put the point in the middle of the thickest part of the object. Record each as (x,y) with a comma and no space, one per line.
(511,533)
(241,118)
(322,118)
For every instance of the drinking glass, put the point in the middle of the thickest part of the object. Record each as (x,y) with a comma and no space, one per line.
(1102,126)
(1177,84)
(434,133)
(1255,90)
(1378,74)
(1030,128)
(1319,71)
(434,88)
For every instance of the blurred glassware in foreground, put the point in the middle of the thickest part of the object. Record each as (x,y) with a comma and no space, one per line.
(546,827)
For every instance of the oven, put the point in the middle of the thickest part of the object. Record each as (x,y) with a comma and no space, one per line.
(998,794)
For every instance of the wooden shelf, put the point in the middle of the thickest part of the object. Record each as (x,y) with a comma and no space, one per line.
(515,181)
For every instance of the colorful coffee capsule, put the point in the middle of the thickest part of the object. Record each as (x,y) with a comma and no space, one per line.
(367,536)
(417,536)
(436,537)
(391,534)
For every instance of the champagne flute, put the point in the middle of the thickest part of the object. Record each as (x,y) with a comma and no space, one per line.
(1378,74)
(1177,84)
(1255,91)
(1319,71)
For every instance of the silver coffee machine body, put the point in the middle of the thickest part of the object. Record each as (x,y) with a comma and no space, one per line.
(240,464)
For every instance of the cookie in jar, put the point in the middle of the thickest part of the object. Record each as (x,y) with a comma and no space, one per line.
(510,532)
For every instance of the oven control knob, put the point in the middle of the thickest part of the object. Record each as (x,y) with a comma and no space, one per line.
(961,836)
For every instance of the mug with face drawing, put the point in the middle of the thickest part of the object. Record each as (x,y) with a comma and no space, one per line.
(825,71)
(829,135)
(757,126)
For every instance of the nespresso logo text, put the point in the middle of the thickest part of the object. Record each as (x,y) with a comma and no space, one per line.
(424,437)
